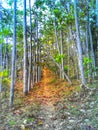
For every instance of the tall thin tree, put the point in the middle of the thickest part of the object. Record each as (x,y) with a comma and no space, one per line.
(13,58)
(30,60)
(97,20)
(80,61)
(0,67)
(25,89)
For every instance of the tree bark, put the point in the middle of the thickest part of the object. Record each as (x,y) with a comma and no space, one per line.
(25,89)
(0,67)
(97,21)
(62,62)
(56,38)
(30,58)
(92,50)
(80,62)
(13,59)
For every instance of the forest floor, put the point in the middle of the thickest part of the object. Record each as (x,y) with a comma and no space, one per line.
(52,104)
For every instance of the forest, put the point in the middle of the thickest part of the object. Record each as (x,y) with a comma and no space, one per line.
(49,65)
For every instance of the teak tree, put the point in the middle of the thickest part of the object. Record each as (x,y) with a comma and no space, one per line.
(13,58)
(80,61)
(25,80)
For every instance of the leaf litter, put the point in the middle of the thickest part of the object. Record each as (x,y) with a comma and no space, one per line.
(51,105)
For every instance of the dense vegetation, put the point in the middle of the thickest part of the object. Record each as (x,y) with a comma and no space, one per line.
(55,34)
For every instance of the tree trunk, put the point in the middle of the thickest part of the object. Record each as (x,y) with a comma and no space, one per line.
(97,21)
(0,67)
(80,62)
(56,38)
(92,50)
(13,59)
(39,60)
(68,61)
(67,78)
(25,89)
(30,58)
(87,42)
(62,62)
(97,32)
(36,43)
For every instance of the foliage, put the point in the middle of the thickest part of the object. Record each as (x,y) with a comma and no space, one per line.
(5,32)
(86,61)
(94,69)
(86,64)
(58,58)
(12,122)
(4,76)
(6,81)
(19,48)
(4,73)
(30,120)
(66,68)
(1,40)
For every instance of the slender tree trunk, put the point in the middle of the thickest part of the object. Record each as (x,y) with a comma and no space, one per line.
(79,45)
(62,62)
(13,59)
(33,76)
(75,51)
(92,50)
(67,78)
(97,32)
(6,57)
(39,60)
(25,89)
(0,67)
(87,42)
(68,61)
(56,38)
(37,63)
(30,60)
(36,42)
(97,21)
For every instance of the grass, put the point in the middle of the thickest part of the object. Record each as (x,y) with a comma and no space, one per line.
(11,122)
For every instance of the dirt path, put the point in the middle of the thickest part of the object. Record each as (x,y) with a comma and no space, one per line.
(46,95)
(57,110)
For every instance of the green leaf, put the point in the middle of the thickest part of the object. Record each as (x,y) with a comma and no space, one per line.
(86,61)
(12,122)
(1,41)
(1,74)
(5,73)
(65,68)
(6,81)
(58,58)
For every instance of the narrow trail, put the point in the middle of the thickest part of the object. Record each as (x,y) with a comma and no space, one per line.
(46,98)
(47,94)
(49,90)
